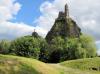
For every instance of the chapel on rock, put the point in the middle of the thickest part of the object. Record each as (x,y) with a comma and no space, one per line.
(64,26)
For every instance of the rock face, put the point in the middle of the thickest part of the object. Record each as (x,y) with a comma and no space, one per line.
(64,26)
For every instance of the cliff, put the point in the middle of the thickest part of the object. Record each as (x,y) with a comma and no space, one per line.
(64,26)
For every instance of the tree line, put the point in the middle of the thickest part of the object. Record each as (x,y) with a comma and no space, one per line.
(60,49)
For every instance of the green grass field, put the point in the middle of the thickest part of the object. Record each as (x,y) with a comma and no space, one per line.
(20,65)
(89,65)
(83,64)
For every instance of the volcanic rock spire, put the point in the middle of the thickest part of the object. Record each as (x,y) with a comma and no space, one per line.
(64,27)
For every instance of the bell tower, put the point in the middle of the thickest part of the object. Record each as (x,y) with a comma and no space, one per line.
(66,11)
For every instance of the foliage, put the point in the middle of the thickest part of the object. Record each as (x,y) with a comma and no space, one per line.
(27,46)
(58,50)
(61,49)
(55,49)
(44,52)
(88,43)
(80,53)
(4,46)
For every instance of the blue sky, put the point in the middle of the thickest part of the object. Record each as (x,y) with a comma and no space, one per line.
(21,17)
(29,12)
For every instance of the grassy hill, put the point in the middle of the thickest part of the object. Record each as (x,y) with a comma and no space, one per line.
(19,65)
(89,65)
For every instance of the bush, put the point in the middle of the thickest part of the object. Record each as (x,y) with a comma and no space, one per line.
(55,49)
(27,46)
(88,43)
(44,52)
(80,52)
(4,47)
(61,49)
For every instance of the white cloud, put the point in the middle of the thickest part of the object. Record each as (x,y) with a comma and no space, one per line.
(49,13)
(8,8)
(17,29)
(16,8)
(9,30)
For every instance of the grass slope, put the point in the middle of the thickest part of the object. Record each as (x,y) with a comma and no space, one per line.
(19,65)
(91,65)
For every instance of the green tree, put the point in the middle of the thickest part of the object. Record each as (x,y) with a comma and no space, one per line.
(88,44)
(80,52)
(4,46)
(27,46)
(43,51)
(71,45)
(61,49)
(55,49)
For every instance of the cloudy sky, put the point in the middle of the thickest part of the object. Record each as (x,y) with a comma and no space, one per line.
(21,17)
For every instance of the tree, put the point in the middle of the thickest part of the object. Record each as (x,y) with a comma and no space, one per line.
(27,46)
(88,44)
(80,52)
(71,44)
(43,51)
(61,49)
(4,46)
(55,49)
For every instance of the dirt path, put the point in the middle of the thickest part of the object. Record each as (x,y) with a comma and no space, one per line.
(68,70)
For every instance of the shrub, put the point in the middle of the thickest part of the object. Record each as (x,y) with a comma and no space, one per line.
(4,46)
(27,46)
(88,43)
(61,49)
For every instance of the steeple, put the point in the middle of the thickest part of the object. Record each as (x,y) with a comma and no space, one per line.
(35,34)
(66,11)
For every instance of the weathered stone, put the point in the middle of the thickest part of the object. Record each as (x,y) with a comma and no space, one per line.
(64,26)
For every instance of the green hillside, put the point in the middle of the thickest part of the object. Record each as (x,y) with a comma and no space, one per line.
(19,65)
(90,65)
